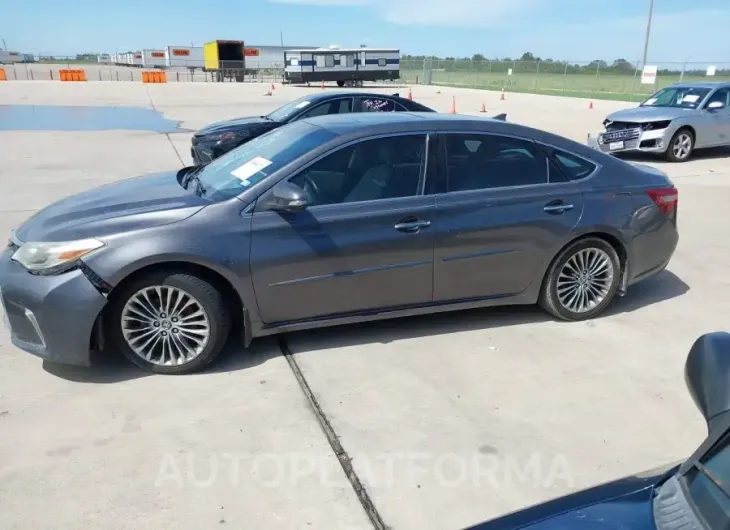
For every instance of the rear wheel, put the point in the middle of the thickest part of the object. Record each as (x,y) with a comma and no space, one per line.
(582,280)
(681,146)
(340,84)
(169,323)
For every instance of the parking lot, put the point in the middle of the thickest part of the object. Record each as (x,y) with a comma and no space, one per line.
(447,420)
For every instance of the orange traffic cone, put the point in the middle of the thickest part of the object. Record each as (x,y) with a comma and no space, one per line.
(501,97)
(453,105)
(483,109)
(410,95)
(590,105)
(273,87)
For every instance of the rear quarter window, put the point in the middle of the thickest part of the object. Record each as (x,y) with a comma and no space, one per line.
(573,167)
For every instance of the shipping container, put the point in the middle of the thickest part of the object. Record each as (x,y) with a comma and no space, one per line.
(153,58)
(184,56)
(226,59)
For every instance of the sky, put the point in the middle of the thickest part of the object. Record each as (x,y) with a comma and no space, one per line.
(575,30)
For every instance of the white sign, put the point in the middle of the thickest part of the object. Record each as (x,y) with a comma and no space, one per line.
(509,72)
(648,75)
(691,98)
(250,168)
(711,70)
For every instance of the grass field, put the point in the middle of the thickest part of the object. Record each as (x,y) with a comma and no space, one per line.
(596,86)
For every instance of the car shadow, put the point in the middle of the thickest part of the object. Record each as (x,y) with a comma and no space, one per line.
(110,368)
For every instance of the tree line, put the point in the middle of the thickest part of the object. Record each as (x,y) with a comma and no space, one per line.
(528,63)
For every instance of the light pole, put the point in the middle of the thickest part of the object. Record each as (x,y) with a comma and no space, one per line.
(648,31)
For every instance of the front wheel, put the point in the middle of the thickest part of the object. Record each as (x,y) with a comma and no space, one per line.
(340,84)
(169,323)
(681,146)
(582,280)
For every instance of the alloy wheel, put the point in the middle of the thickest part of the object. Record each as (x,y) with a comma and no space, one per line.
(682,146)
(585,280)
(165,325)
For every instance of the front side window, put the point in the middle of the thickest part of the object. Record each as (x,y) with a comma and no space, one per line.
(708,486)
(384,168)
(679,97)
(486,161)
(335,106)
(722,96)
(373,104)
(234,172)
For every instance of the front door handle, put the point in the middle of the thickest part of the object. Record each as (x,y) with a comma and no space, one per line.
(411,226)
(557,207)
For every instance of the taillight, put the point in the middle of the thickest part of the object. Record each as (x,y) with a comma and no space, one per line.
(665,198)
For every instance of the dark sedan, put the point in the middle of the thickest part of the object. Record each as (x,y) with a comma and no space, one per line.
(212,141)
(333,220)
(692,496)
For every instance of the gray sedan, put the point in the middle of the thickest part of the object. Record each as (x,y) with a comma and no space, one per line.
(674,122)
(333,220)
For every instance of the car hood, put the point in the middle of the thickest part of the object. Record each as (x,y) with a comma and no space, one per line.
(238,124)
(624,503)
(136,203)
(646,114)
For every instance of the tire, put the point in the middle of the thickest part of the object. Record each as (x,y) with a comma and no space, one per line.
(673,153)
(551,302)
(204,296)
(340,84)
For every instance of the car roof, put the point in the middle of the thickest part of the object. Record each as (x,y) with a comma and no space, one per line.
(702,84)
(321,96)
(352,126)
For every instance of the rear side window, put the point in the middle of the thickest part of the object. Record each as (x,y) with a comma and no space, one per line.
(378,105)
(573,167)
(487,161)
(337,106)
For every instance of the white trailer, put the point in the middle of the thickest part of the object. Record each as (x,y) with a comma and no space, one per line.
(184,56)
(7,57)
(104,58)
(137,59)
(153,58)
(346,66)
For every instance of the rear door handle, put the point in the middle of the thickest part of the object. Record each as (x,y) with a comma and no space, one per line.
(557,207)
(411,226)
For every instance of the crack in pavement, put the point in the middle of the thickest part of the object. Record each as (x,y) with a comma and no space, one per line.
(334,441)
(167,135)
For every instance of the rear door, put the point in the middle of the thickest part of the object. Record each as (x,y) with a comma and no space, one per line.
(501,212)
(365,242)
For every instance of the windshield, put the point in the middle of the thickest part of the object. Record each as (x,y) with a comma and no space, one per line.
(283,113)
(232,173)
(679,97)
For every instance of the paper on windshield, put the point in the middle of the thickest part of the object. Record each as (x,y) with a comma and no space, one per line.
(690,98)
(250,168)
(302,104)
(650,101)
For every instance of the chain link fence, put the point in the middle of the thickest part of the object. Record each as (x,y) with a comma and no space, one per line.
(188,71)
(596,79)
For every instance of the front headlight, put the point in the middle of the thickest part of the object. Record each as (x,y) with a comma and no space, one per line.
(54,256)
(656,125)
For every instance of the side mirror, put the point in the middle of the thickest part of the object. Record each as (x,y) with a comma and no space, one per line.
(715,105)
(707,375)
(286,197)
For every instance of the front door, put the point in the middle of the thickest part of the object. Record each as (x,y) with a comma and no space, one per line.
(364,243)
(500,214)
(719,119)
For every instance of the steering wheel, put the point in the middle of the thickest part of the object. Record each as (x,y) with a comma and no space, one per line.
(313,189)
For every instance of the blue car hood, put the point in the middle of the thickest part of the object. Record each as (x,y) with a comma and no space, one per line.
(132,204)
(625,504)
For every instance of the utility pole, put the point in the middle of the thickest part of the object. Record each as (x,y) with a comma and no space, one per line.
(5,46)
(648,32)
(281,36)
